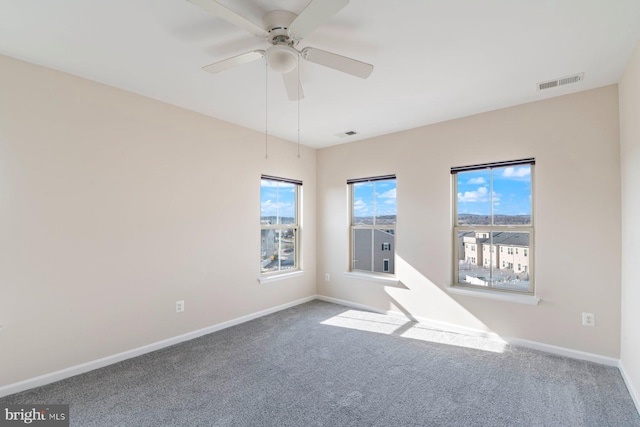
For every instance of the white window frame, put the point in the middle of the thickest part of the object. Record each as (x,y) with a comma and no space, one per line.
(494,228)
(295,228)
(353,227)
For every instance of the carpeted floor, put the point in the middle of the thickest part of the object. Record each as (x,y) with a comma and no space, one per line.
(320,364)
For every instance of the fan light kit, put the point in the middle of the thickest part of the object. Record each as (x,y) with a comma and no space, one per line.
(283,30)
(282,58)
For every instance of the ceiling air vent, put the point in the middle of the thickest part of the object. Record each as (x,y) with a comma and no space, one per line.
(347,133)
(576,78)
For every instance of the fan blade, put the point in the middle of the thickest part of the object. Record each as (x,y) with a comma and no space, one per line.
(292,84)
(314,15)
(216,67)
(229,15)
(337,62)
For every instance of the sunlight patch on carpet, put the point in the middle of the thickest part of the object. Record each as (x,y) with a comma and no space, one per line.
(387,325)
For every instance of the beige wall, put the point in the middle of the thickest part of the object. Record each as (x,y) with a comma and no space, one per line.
(629,90)
(574,139)
(113,207)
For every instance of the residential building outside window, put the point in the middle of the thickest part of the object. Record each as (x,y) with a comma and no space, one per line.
(279,225)
(373,224)
(493,208)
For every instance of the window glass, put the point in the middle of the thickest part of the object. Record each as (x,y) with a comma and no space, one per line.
(277,202)
(512,195)
(279,226)
(474,197)
(494,227)
(373,213)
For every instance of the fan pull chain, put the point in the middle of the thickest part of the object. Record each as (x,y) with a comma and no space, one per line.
(298,106)
(266,110)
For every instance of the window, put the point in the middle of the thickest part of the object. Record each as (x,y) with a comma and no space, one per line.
(279,224)
(373,224)
(493,206)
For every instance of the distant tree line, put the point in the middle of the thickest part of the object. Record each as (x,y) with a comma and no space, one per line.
(472,219)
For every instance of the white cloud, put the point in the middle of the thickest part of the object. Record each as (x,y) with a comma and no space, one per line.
(359,205)
(516,172)
(269,206)
(477,181)
(390,202)
(480,195)
(391,194)
(276,184)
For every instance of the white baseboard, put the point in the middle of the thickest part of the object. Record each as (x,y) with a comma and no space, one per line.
(561,351)
(632,390)
(109,360)
(349,304)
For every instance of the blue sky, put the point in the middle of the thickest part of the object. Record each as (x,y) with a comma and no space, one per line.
(383,193)
(277,199)
(511,191)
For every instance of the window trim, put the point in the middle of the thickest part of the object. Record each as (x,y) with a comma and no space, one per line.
(384,278)
(275,277)
(493,165)
(474,289)
(296,227)
(350,194)
(491,294)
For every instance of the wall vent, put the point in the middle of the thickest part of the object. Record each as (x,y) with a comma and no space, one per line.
(576,78)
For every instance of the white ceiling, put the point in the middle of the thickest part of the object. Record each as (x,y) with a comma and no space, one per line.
(434,60)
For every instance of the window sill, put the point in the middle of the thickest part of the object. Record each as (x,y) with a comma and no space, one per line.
(283,276)
(500,296)
(388,280)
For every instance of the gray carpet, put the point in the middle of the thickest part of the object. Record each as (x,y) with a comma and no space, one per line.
(321,364)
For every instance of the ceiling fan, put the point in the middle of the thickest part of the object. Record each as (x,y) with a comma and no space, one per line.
(283,30)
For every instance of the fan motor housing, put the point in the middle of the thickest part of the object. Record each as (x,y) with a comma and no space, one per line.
(277,24)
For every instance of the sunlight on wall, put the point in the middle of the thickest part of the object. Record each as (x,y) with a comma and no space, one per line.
(384,324)
(419,297)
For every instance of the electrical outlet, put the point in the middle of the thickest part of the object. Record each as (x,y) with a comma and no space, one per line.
(327,277)
(179,306)
(588,319)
